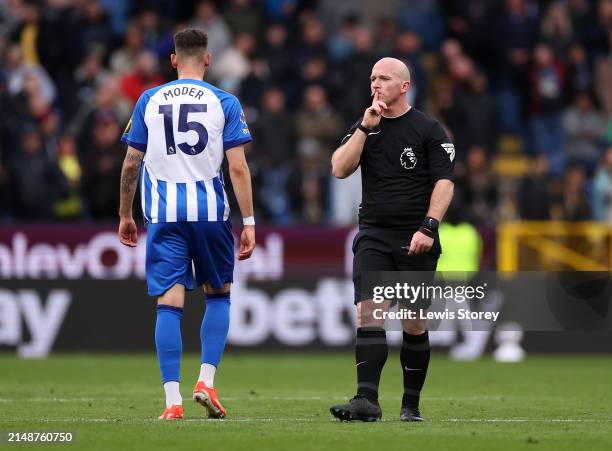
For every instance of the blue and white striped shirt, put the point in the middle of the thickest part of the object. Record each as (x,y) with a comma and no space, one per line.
(184,127)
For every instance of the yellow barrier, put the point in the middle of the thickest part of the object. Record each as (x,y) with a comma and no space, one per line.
(554,246)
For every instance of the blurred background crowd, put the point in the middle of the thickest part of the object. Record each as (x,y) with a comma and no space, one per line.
(524,88)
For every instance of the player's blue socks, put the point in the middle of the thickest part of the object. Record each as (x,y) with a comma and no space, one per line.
(168,341)
(215,326)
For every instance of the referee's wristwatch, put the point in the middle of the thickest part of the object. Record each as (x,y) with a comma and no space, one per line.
(364,129)
(429,226)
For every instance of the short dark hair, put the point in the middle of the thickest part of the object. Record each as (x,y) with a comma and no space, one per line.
(190,42)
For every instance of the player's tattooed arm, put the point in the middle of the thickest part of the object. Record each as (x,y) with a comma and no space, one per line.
(130,170)
(128,233)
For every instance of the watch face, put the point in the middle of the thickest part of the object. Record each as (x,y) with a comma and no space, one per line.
(431,223)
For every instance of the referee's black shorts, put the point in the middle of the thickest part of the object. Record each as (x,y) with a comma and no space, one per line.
(378,249)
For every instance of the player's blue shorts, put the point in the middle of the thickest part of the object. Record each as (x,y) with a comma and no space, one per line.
(173,246)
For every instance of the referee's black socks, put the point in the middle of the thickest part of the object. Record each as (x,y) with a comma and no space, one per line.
(414,357)
(370,356)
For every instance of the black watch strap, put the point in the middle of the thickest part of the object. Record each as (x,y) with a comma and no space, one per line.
(364,129)
(430,223)
(427,232)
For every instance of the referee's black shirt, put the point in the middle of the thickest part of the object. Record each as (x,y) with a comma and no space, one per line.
(400,162)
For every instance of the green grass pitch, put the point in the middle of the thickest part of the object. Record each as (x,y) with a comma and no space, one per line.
(280,402)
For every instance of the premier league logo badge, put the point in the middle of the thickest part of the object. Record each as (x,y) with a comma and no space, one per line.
(408,159)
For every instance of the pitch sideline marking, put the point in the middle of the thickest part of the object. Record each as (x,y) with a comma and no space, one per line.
(276,398)
(254,420)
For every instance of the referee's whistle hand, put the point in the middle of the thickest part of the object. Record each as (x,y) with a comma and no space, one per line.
(128,233)
(247,242)
(420,244)
(372,115)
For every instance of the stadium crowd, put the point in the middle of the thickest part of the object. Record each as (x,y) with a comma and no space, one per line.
(514,80)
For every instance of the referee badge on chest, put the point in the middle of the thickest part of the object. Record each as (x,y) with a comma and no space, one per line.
(408,159)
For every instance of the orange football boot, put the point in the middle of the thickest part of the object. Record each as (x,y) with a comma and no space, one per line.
(207,398)
(175,412)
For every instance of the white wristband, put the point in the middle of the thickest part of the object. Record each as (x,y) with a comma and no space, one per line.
(250,221)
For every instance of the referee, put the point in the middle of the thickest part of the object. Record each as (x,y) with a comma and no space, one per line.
(406,164)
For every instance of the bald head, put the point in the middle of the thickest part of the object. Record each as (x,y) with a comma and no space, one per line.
(389,83)
(393,66)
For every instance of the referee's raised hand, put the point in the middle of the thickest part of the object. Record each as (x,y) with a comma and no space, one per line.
(372,115)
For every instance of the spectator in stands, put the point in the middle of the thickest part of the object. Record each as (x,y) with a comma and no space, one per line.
(4,198)
(144,76)
(450,50)
(422,16)
(471,23)
(314,71)
(56,57)
(102,161)
(583,19)
(107,103)
(547,77)
(514,35)
(70,206)
(584,128)
(19,71)
(31,33)
(157,35)
(314,180)
(94,28)
(473,117)
(317,120)
(408,49)
(279,55)
(49,122)
(207,19)
(441,99)
(255,83)
(534,194)
(123,60)
(36,180)
(556,28)
(574,204)
(312,41)
(579,72)
(478,188)
(280,10)
(598,36)
(334,14)
(274,156)
(88,76)
(340,43)
(9,18)
(602,189)
(233,64)
(355,75)
(6,131)
(245,16)
(603,75)
(384,36)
